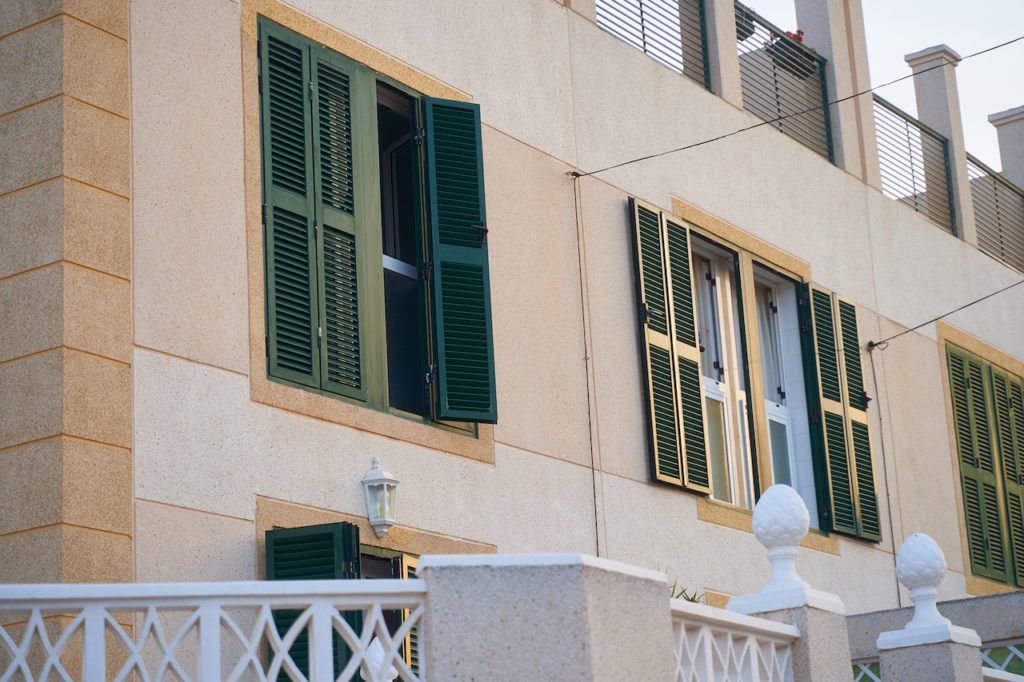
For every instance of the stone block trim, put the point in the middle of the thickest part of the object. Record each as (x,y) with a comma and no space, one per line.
(65,291)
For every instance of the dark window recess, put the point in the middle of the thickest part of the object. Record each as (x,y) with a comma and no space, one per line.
(402,305)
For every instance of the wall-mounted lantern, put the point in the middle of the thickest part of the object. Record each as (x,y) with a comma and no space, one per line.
(381,490)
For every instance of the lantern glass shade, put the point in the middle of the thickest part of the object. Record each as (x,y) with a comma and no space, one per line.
(381,490)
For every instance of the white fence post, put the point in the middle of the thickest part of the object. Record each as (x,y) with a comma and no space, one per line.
(822,652)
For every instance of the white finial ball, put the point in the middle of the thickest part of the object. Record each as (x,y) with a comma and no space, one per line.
(780,517)
(920,562)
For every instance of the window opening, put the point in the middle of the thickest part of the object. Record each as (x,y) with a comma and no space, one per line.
(402,305)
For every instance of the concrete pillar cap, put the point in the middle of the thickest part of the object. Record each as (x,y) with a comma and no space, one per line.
(1002,118)
(929,56)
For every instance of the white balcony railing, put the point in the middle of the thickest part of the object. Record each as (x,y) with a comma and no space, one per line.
(713,644)
(204,631)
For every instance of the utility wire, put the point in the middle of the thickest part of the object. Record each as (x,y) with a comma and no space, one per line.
(880,345)
(577,174)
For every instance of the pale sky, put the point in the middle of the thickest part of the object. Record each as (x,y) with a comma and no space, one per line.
(988,83)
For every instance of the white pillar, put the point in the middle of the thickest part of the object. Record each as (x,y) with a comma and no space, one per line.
(822,653)
(1010,128)
(723,57)
(835,30)
(929,646)
(938,107)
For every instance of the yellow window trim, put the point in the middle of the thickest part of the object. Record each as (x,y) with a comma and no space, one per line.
(262,389)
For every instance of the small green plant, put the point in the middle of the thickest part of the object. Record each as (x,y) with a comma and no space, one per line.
(676,592)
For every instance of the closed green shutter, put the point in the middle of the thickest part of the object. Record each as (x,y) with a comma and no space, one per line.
(325,552)
(452,206)
(977,465)
(288,206)
(670,356)
(337,124)
(837,406)
(1007,397)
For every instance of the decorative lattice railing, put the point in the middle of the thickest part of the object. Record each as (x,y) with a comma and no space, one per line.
(210,631)
(713,644)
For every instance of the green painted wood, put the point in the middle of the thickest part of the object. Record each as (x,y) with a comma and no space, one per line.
(460,284)
(982,504)
(1008,396)
(660,389)
(837,403)
(336,124)
(683,325)
(291,315)
(324,552)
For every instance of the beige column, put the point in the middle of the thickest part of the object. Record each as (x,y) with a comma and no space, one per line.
(938,106)
(65,269)
(723,58)
(545,617)
(835,30)
(1010,128)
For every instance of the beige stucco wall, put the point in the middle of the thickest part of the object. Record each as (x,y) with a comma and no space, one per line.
(204,444)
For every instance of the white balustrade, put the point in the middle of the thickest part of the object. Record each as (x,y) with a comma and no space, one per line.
(204,631)
(714,644)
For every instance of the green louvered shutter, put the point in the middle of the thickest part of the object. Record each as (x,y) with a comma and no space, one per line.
(325,552)
(652,301)
(696,474)
(1007,396)
(829,437)
(336,125)
(288,206)
(452,183)
(670,356)
(977,465)
(869,523)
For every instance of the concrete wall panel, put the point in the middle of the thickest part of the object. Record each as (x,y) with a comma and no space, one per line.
(188,204)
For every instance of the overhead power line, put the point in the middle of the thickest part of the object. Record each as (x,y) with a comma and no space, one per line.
(577,174)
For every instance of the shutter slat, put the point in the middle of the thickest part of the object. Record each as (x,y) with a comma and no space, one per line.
(341,315)
(460,289)
(851,356)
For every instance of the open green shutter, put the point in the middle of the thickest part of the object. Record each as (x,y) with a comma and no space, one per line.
(1007,396)
(288,206)
(652,302)
(670,356)
(868,520)
(696,473)
(325,552)
(977,465)
(829,438)
(452,183)
(336,124)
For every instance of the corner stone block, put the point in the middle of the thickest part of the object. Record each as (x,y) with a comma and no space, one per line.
(533,617)
(32,400)
(822,653)
(940,662)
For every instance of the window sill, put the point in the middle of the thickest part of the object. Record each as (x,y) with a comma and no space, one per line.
(309,404)
(729,516)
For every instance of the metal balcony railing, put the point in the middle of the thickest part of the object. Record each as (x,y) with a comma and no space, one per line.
(914,164)
(783,81)
(209,632)
(998,214)
(670,31)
